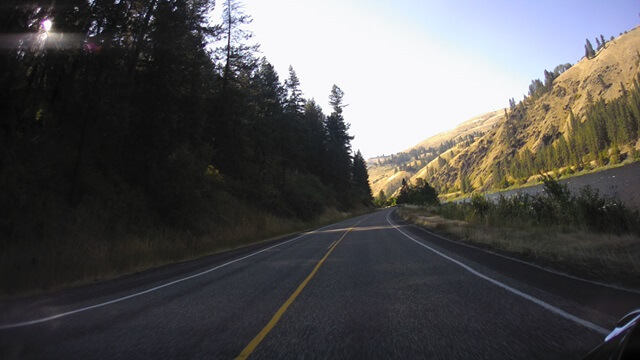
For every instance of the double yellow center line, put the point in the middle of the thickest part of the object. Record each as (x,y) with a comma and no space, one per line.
(248,350)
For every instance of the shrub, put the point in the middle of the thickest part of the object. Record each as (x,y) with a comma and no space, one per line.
(555,207)
(420,194)
(480,204)
(604,214)
(558,192)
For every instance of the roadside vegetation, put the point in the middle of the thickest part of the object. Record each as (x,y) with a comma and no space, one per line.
(584,234)
(152,135)
(85,247)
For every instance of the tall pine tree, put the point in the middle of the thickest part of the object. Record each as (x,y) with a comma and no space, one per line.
(338,147)
(361,187)
(588,50)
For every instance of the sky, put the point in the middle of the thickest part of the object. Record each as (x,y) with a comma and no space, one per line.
(411,69)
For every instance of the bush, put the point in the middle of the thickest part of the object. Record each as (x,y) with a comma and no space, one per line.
(604,214)
(420,194)
(556,207)
(480,204)
(305,196)
(555,190)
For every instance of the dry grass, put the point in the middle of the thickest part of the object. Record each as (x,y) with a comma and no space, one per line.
(93,255)
(603,257)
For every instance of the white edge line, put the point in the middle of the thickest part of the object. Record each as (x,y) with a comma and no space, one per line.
(553,309)
(552,271)
(64,314)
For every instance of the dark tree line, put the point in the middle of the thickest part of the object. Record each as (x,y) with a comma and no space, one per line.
(589,52)
(420,193)
(424,155)
(539,87)
(129,106)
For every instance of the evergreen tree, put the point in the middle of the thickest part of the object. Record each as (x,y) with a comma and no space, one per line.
(338,146)
(361,189)
(381,199)
(588,50)
(139,126)
(403,194)
(294,110)
(295,101)
(420,194)
(314,139)
(265,129)
(236,53)
(238,57)
(465,184)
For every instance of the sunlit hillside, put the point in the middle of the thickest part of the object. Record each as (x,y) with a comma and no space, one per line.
(414,162)
(542,121)
(481,123)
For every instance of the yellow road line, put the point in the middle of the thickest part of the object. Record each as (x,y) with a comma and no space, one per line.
(248,350)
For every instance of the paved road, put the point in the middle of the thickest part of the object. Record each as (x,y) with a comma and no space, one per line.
(368,287)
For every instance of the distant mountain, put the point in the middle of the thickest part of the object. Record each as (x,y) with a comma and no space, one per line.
(386,172)
(578,116)
(481,124)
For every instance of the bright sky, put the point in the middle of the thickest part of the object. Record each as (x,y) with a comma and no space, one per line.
(412,68)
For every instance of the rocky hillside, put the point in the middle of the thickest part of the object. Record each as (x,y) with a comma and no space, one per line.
(541,124)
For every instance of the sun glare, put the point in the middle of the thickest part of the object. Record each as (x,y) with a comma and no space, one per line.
(46,25)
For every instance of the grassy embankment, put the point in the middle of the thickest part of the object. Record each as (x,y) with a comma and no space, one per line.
(586,235)
(98,249)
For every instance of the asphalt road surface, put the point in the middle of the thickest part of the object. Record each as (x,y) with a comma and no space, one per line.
(368,287)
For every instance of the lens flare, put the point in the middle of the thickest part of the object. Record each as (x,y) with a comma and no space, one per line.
(46,25)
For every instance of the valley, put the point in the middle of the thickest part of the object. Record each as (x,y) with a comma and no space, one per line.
(579,117)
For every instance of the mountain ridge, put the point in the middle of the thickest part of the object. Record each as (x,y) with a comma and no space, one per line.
(536,122)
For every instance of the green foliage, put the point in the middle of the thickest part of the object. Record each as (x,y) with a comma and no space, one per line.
(380,200)
(338,162)
(480,204)
(539,88)
(306,196)
(602,42)
(465,184)
(588,50)
(614,158)
(556,207)
(499,176)
(361,190)
(140,120)
(607,126)
(556,191)
(419,194)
